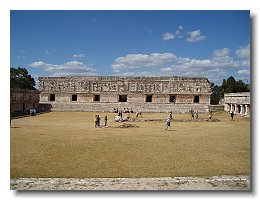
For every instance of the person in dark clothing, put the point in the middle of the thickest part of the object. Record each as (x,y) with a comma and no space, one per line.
(105,119)
(96,121)
(232,116)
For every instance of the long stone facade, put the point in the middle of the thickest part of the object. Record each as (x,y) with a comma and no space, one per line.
(239,103)
(103,93)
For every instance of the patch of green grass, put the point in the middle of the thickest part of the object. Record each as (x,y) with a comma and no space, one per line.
(66,144)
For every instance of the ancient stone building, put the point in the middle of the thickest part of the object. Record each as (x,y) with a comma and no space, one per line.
(103,93)
(239,103)
(22,100)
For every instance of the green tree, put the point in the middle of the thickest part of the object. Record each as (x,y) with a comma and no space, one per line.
(231,85)
(242,87)
(20,78)
(228,86)
(216,94)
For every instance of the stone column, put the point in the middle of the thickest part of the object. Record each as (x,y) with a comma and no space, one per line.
(246,112)
(241,109)
(235,108)
(231,108)
(226,107)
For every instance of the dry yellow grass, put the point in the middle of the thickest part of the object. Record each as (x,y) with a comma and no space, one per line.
(66,144)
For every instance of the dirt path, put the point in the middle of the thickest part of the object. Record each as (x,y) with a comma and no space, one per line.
(167,183)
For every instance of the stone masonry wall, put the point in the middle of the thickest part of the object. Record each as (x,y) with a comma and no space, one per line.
(22,100)
(148,107)
(237,98)
(136,89)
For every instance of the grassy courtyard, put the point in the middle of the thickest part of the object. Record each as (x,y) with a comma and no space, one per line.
(66,144)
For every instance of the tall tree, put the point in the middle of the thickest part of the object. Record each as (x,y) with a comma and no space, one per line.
(231,85)
(242,87)
(20,78)
(216,94)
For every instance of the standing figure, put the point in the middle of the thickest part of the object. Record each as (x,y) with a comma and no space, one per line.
(96,121)
(34,112)
(197,114)
(170,115)
(192,114)
(232,116)
(168,124)
(105,120)
(210,115)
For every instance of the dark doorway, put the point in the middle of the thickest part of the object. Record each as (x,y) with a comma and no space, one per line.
(74,97)
(52,97)
(196,99)
(172,99)
(122,98)
(149,98)
(97,98)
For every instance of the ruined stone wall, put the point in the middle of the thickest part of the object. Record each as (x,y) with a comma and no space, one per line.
(22,100)
(136,90)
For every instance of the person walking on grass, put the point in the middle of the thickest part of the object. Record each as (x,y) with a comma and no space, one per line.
(170,115)
(168,124)
(232,116)
(197,114)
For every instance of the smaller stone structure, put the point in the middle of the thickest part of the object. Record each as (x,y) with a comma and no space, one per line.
(22,100)
(239,103)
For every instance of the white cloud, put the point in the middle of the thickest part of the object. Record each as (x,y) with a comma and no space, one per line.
(244,52)
(244,72)
(177,32)
(71,68)
(166,69)
(167,36)
(221,52)
(79,56)
(220,65)
(136,61)
(195,36)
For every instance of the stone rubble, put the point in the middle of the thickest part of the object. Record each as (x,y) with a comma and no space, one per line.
(238,183)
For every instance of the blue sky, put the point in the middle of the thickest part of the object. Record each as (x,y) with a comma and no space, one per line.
(212,44)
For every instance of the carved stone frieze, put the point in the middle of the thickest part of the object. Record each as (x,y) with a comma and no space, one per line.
(146,85)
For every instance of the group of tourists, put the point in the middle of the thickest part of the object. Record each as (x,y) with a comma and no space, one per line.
(97,120)
(193,113)
(168,120)
(125,110)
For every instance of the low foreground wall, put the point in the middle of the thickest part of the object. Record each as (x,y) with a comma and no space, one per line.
(241,183)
